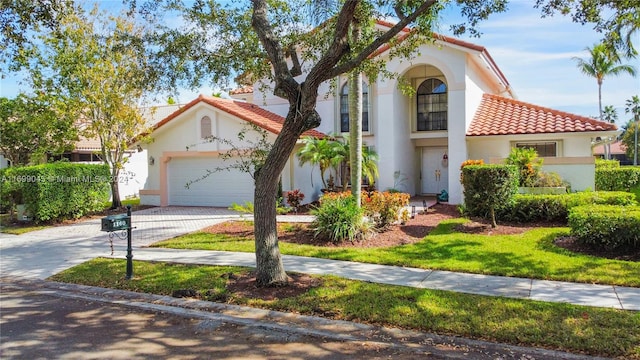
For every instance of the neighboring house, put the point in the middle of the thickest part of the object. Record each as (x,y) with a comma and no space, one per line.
(134,174)
(132,177)
(618,152)
(184,157)
(464,108)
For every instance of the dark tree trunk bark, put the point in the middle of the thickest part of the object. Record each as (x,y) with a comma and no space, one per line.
(269,268)
(115,191)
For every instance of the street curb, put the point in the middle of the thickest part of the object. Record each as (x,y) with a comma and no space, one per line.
(449,347)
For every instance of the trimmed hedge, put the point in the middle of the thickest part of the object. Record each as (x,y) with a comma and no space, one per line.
(607,164)
(58,190)
(606,226)
(617,179)
(488,188)
(530,208)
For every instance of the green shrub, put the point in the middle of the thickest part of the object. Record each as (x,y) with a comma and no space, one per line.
(607,164)
(530,208)
(339,218)
(58,190)
(247,208)
(617,179)
(549,179)
(489,188)
(381,207)
(528,164)
(607,227)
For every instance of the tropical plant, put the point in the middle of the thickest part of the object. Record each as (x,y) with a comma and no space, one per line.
(294,198)
(602,63)
(318,151)
(632,107)
(369,162)
(528,164)
(609,115)
(339,219)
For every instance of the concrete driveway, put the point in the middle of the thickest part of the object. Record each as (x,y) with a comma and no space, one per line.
(40,254)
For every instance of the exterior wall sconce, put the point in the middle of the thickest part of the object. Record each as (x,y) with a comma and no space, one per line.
(152,160)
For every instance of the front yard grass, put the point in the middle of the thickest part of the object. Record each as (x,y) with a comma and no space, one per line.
(578,329)
(529,255)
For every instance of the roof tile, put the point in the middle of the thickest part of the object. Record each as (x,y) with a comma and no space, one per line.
(499,115)
(246,111)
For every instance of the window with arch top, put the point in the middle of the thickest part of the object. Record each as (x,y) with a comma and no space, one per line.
(344,108)
(205,127)
(432,105)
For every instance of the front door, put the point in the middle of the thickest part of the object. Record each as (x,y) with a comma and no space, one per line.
(435,170)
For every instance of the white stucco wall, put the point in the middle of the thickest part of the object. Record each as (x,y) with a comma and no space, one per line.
(3,162)
(574,162)
(181,135)
(134,175)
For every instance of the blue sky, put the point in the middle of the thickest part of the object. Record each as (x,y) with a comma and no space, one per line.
(535,54)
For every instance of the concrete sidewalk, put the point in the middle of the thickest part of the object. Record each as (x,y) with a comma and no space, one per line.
(609,296)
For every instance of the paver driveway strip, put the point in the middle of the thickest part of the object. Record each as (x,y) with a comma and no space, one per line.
(40,254)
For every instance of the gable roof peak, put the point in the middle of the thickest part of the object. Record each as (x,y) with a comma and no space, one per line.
(243,110)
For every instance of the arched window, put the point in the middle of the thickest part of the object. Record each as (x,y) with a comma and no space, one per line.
(432,105)
(344,107)
(205,127)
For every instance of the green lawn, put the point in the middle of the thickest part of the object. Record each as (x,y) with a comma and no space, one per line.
(529,255)
(579,329)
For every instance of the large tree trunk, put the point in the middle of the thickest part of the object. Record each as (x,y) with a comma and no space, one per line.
(269,268)
(115,191)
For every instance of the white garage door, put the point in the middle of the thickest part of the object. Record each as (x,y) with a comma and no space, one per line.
(218,189)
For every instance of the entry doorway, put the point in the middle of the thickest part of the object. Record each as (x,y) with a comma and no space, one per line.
(435,170)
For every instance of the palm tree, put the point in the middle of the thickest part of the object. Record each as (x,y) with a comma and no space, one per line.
(633,107)
(319,152)
(609,115)
(602,63)
(369,168)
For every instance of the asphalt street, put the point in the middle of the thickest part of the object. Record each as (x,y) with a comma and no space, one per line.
(47,320)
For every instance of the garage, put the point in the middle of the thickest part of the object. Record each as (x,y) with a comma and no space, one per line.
(220,188)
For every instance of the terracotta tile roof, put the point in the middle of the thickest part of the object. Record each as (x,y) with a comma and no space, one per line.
(84,144)
(247,89)
(246,111)
(498,115)
(617,148)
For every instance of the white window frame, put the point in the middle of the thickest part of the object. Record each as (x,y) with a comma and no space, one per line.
(368,108)
(535,143)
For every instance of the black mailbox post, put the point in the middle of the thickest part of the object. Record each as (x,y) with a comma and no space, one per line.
(122,222)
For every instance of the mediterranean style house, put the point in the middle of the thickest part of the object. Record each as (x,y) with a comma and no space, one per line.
(463,108)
